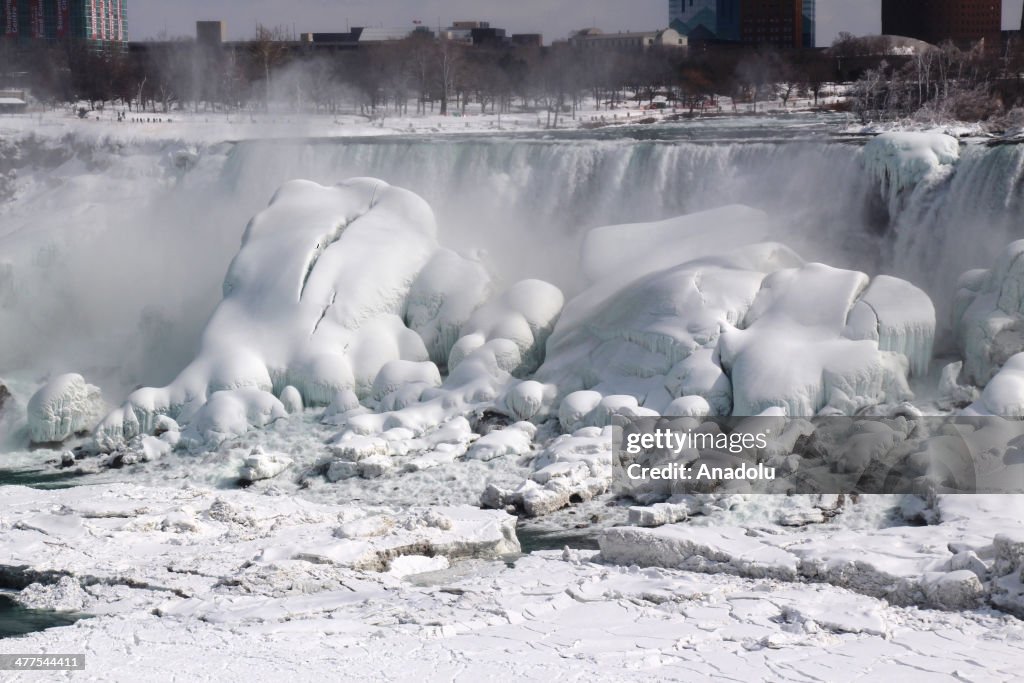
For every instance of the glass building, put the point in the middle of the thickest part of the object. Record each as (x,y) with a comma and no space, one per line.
(99,21)
(810,23)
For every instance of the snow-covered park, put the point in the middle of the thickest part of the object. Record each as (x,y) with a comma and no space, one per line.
(296,398)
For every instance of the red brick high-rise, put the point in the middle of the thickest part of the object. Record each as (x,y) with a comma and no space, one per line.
(933,21)
(772,22)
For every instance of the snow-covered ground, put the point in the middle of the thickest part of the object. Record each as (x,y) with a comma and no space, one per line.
(305,452)
(202,585)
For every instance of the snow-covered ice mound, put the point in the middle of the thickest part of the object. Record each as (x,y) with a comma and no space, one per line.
(745,331)
(902,161)
(817,337)
(65,406)
(989,315)
(315,299)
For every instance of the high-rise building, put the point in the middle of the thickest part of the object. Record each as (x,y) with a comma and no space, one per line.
(98,21)
(934,21)
(810,23)
(772,22)
(693,18)
(727,20)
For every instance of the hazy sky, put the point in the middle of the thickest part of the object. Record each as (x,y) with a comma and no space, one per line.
(554,18)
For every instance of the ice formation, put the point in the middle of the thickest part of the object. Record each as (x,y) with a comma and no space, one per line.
(1003,396)
(743,331)
(796,348)
(65,406)
(989,315)
(315,299)
(524,315)
(442,299)
(341,297)
(902,162)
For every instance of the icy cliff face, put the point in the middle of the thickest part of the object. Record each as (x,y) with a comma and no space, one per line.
(905,162)
(315,299)
(989,315)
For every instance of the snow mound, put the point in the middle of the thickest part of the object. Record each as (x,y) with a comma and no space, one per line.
(229,414)
(901,161)
(315,299)
(738,333)
(65,406)
(989,315)
(442,299)
(629,340)
(525,315)
(798,350)
(1004,394)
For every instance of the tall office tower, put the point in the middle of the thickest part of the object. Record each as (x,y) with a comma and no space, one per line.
(728,20)
(934,21)
(772,22)
(96,21)
(810,23)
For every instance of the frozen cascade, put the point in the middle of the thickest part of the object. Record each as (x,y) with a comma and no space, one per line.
(961,224)
(144,317)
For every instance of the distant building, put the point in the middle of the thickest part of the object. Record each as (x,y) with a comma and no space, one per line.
(934,21)
(479,33)
(693,17)
(727,20)
(359,36)
(722,21)
(527,39)
(13,101)
(97,21)
(593,38)
(777,23)
(810,23)
(211,33)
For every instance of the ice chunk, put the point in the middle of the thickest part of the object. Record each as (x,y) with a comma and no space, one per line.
(65,406)
(260,465)
(711,550)
(627,340)
(515,439)
(526,400)
(688,406)
(575,407)
(900,317)
(291,399)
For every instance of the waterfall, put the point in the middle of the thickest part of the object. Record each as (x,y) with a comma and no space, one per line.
(112,255)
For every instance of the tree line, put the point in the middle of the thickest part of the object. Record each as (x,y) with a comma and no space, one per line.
(422,75)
